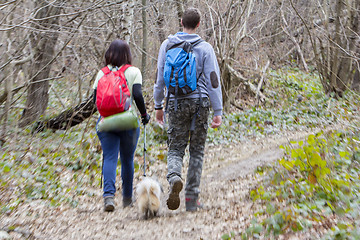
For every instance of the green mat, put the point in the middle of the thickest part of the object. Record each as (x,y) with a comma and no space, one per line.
(121,121)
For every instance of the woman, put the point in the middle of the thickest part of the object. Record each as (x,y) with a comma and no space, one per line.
(124,141)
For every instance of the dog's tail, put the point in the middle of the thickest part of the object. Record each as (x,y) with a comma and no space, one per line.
(143,201)
(154,201)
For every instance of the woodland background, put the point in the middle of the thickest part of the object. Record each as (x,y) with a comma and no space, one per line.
(286,66)
(63,42)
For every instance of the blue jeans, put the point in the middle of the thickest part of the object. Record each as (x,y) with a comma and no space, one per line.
(112,143)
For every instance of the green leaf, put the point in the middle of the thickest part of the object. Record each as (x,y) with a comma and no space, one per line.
(315,160)
(270,209)
(288,165)
(326,170)
(257,229)
(342,226)
(343,154)
(322,163)
(225,237)
(7,169)
(311,139)
(294,153)
(330,205)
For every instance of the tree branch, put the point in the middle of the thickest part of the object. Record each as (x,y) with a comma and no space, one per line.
(251,86)
(261,82)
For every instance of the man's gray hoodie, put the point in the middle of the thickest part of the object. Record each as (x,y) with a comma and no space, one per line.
(209,82)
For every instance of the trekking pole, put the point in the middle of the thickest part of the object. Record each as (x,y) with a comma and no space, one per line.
(145,150)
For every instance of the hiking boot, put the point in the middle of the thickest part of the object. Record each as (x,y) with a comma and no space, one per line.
(127,202)
(109,205)
(192,204)
(173,202)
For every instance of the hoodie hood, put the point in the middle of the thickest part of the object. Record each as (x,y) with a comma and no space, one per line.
(182,36)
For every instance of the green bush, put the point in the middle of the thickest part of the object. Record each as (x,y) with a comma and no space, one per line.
(318,178)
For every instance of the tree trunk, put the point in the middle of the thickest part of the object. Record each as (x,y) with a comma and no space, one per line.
(43,44)
(126,20)
(180,10)
(8,84)
(340,71)
(160,24)
(226,85)
(69,118)
(144,42)
(356,82)
(346,67)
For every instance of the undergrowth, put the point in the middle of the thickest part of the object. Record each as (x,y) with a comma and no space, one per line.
(296,102)
(316,185)
(52,166)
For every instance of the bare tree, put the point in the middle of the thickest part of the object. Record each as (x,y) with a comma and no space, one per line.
(230,25)
(43,42)
(180,4)
(77,114)
(57,40)
(335,45)
(346,30)
(159,21)
(8,84)
(144,38)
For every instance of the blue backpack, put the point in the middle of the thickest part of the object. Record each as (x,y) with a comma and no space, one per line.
(180,68)
(180,73)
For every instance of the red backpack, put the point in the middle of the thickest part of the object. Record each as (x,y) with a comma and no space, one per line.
(112,94)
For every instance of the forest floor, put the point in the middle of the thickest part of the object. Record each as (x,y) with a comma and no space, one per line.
(228,176)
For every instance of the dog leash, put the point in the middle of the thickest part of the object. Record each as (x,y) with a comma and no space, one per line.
(145,150)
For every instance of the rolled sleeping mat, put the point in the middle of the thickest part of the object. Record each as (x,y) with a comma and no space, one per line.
(120,121)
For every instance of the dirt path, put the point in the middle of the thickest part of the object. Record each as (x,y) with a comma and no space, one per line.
(227,178)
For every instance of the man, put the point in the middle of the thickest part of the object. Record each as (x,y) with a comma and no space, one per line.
(182,111)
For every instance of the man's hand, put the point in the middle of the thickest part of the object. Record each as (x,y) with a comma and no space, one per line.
(216,122)
(159,115)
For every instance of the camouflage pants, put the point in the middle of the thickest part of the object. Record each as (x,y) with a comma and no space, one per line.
(179,136)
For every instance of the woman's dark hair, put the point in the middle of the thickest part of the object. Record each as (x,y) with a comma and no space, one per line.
(118,53)
(191,18)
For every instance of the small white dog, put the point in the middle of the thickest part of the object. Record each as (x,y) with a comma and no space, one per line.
(148,193)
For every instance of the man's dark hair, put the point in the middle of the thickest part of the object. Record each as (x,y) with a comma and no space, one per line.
(191,18)
(118,53)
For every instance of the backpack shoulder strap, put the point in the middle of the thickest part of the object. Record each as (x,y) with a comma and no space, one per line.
(197,42)
(123,68)
(106,70)
(181,44)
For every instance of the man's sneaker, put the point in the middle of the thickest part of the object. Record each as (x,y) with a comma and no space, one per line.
(192,205)
(109,204)
(127,201)
(176,186)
